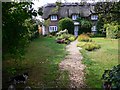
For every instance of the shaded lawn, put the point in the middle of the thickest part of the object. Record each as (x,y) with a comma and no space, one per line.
(99,60)
(41,61)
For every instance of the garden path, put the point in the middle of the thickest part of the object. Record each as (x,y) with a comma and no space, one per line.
(73,64)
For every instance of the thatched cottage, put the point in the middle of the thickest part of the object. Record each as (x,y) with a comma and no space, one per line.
(52,14)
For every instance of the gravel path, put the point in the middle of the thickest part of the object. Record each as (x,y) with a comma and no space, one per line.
(72,63)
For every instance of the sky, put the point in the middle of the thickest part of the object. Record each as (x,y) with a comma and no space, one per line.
(39,3)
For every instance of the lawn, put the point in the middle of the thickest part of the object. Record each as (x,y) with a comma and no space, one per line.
(41,62)
(98,60)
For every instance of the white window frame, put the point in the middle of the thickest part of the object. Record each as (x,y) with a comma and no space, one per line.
(74,16)
(94,17)
(53,17)
(52,28)
(93,28)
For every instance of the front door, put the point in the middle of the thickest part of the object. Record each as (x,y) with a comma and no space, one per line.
(76,28)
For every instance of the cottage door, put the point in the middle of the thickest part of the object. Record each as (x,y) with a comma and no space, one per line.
(43,30)
(76,30)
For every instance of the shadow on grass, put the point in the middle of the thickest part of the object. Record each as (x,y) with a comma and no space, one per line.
(41,62)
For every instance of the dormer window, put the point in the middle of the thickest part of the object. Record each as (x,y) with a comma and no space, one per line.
(53,17)
(94,17)
(74,17)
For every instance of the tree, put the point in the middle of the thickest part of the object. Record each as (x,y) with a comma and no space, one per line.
(85,24)
(15,26)
(108,13)
(40,11)
(66,23)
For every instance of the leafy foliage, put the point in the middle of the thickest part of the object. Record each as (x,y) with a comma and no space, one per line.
(65,38)
(85,25)
(86,42)
(17,25)
(112,30)
(66,23)
(111,77)
(99,60)
(108,12)
(89,46)
(84,37)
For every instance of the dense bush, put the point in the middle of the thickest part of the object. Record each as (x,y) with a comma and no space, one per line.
(71,38)
(96,35)
(66,37)
(66,23)
(85,25)
(89,46)
(18,27)
(81,44)
(84,37)
(111,78)
(112,30)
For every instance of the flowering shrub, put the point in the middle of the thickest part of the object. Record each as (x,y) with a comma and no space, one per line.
(84,37)
(66,37)
(89,46)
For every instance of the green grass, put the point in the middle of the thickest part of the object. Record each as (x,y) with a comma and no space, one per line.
(41,61)
(97,61)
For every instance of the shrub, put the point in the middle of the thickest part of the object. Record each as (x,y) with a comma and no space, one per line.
(66,23)
(81,44)
(112,30)
(67,37)
(59,38)
(84,37)
(67,42)
(53,33)
(96,35)
(71,37)
(89,46)
(111,77)
(85,25)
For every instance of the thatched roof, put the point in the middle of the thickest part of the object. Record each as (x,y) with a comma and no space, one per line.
(67,9)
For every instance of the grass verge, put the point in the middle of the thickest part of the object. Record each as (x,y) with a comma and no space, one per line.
(41,62)
(98,60)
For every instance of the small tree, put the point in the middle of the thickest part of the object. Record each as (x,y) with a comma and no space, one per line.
(85,24)
(66,23)
(112,30)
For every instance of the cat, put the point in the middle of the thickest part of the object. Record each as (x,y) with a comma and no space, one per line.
(19,78)
(11,87)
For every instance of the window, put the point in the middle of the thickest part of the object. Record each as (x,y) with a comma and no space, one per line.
(53,17)
(93,28)
(94,17)
(74,17)
(52,28)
